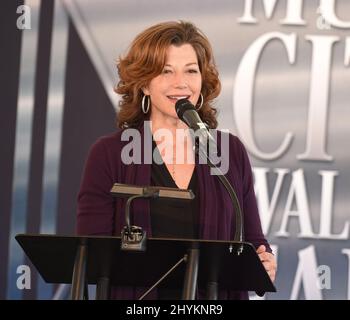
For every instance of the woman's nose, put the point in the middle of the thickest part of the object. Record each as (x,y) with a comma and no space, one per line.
(180,81)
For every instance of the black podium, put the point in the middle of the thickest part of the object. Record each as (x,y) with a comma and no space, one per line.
(99,260)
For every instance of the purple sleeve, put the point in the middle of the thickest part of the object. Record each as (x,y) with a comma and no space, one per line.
(95,205)
(252,223)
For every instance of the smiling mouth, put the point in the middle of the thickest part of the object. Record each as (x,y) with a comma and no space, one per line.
(175,98)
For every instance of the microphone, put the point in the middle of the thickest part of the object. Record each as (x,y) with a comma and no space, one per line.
(187,113)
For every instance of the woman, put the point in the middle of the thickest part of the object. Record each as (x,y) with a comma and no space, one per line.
(167,62)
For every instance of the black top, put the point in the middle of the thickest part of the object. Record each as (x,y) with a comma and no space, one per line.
(172,218)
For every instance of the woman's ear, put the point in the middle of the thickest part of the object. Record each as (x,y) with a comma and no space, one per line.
(145,91)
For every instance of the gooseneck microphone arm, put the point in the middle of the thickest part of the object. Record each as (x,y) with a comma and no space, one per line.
(188,114)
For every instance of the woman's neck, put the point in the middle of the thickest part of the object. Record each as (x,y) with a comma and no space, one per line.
(173,134)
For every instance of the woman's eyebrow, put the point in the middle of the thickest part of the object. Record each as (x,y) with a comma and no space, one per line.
(186,65)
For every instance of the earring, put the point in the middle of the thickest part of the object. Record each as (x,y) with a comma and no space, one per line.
(143,104)
(201,104)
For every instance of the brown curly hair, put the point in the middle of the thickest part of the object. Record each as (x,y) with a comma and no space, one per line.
(145,60)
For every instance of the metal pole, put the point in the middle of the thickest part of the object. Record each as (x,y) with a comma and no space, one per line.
(79,271)
(190,283)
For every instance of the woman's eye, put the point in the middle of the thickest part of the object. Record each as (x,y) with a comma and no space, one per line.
(166,71)
(193,71)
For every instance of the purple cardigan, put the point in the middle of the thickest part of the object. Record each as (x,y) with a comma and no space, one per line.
(100,214)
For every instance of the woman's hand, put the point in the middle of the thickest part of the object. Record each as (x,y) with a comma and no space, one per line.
(268,260)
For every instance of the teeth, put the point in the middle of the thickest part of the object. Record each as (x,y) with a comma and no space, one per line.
(177,97)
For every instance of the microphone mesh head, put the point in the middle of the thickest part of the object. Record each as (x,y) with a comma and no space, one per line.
(181,106)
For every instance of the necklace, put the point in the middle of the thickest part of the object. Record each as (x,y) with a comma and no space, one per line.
(173,168)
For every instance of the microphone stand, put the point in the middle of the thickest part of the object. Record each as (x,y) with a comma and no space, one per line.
(188,114)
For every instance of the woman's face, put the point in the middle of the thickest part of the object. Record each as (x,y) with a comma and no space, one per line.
(180,78)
